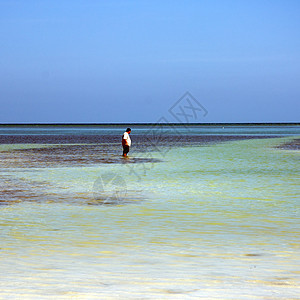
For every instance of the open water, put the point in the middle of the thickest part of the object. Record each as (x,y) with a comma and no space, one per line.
(195,212)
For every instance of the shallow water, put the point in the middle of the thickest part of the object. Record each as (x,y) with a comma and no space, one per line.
(192,216)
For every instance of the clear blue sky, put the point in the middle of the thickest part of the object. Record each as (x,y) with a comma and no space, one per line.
(130,61)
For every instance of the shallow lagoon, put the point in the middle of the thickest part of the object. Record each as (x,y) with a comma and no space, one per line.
(211,220)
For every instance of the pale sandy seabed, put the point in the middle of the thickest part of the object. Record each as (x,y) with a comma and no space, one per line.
(203,219)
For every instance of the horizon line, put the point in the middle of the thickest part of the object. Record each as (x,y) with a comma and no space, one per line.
(148,123)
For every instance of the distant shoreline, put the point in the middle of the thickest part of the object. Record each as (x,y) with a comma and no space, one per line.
(144,124)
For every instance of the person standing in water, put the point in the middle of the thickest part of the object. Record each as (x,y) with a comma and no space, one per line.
(126,141)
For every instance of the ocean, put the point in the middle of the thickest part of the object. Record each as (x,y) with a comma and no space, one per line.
(194,212)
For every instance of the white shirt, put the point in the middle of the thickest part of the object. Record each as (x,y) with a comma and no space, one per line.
(127,138)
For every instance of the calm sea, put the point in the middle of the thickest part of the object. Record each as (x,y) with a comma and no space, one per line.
(195,212)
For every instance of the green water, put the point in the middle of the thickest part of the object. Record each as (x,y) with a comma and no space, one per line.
(210,222)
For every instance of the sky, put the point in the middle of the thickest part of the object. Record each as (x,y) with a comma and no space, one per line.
(133,61)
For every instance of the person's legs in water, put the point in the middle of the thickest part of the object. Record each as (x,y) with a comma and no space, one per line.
(125,150)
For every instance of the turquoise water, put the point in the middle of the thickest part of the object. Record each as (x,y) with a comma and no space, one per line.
(209,221)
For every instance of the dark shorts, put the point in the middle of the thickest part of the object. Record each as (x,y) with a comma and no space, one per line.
(125,149)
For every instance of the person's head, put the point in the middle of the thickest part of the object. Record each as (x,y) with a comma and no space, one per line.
(128,130)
